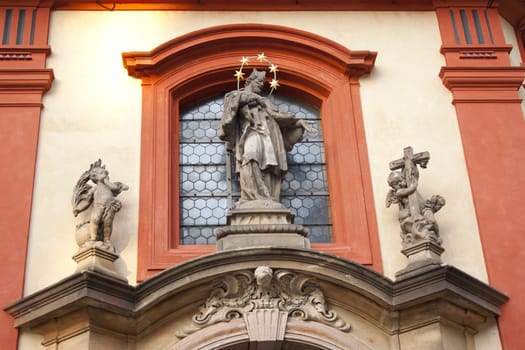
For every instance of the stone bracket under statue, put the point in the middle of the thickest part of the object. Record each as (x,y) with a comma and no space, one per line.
(269,226)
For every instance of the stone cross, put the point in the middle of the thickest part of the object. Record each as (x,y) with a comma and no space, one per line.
(410,159)
(408,164)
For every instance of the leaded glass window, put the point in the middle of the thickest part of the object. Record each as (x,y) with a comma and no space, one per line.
(209,185)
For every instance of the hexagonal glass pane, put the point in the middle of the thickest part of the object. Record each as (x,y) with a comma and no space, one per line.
(195,153)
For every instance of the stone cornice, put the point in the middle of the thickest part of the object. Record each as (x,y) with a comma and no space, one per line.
(24,87)
(190,283)
(483,84)
(75,292)
(446,281)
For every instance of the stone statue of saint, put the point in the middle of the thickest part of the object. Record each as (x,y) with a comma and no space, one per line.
(104,205)
(416,215)
(259,135)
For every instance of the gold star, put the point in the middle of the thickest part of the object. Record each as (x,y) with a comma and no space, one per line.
(273,68)
(261,57)
(239,75)
(245,60)
(274,83)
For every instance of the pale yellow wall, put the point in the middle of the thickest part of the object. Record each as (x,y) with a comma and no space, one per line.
(94,110)
(510,38)
(405,103)
(515,56)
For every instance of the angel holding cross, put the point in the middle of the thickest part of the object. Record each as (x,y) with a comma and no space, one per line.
(416,215)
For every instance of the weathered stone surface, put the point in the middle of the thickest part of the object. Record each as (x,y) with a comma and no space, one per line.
(267,227)
(244,292)
(151,313)
(101,204)
(416,215)
(423,255)
(419,229)
(93,258)
(259,135)
(266,325)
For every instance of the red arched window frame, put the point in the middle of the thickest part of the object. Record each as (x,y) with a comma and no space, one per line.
(201,64)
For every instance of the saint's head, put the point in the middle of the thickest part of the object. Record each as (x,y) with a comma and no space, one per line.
(255,81)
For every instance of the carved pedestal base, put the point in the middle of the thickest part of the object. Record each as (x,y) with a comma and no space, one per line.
(265,227)
(98,260)
(423,255)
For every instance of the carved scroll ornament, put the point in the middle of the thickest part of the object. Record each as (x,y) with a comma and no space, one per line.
(242,292)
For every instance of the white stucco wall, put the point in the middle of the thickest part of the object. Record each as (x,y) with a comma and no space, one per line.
(94,110)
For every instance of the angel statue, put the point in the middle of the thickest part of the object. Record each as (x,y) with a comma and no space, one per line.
(101,197)
(416,215)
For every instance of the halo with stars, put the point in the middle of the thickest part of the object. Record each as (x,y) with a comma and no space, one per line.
(272,68)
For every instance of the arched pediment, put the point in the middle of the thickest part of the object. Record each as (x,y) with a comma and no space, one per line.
(215,44)
(204,60)
(326,302)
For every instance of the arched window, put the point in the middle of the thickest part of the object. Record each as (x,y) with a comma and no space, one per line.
(199,65)
(209,186)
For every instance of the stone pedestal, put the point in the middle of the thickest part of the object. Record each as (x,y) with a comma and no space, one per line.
(264,227)
(425,254)
(98,260)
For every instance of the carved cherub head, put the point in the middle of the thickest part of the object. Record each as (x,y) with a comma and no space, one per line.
(97,172)
(396,180)
(263,276)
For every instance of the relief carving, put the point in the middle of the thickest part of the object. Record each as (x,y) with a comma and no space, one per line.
(236,295)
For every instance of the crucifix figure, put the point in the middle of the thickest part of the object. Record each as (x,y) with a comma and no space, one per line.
(416,215)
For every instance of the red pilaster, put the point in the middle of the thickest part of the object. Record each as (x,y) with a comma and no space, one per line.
(485,94)
(23,81)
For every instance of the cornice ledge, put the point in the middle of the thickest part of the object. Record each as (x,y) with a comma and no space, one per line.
(361,62)
(73,293)
(442,284)
(26,48)
(26,79)
(509,78)
(487,47)
(450,283)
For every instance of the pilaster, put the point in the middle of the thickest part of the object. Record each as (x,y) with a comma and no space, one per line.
(23,81)
(484,89)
